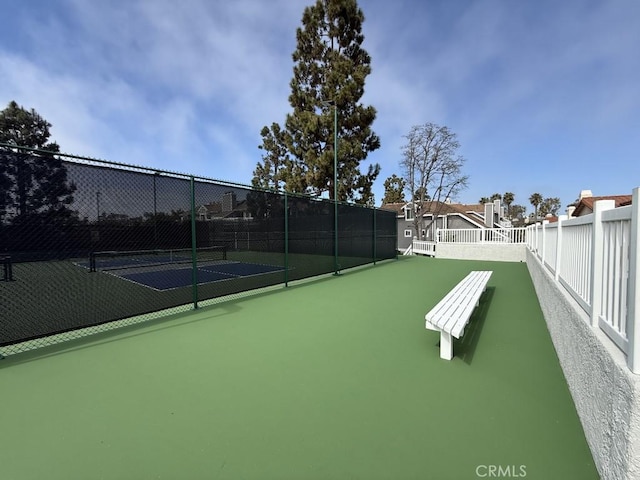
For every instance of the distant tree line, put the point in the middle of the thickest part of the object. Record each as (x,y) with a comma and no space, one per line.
(34,186)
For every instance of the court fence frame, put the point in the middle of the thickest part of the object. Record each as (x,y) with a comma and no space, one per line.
(106,206)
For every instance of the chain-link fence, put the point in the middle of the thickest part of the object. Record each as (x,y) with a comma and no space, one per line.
(87,245)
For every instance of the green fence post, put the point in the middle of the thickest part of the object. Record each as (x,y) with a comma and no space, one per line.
(194,244)
(335,185)
(375,238)
(336,265)
(286,241)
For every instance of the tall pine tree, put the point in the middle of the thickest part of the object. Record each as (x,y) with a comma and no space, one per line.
(329,72)
(394,189)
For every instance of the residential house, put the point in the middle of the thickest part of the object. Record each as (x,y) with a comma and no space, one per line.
(443,215)
(228,208)
(584,204)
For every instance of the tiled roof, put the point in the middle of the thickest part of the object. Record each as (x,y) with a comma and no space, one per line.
(587,203)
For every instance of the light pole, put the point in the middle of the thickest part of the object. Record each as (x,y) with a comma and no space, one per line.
(155,211)
(335,183)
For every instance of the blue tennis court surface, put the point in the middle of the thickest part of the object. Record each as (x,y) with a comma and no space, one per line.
(182,277)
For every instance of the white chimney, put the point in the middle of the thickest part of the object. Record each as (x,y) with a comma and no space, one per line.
(229,202)
(585,194)
(488,215)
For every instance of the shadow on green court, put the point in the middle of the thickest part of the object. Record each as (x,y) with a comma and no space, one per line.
(176,320)
(224,307)
(465,347)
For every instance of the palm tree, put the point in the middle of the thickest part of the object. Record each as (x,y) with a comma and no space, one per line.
(536,200)
(484,200)
(508,199)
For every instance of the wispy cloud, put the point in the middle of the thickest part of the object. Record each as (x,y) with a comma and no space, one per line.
(532,88)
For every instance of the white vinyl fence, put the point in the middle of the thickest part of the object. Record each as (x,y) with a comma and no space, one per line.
(469,236)
(595,258)
(481,235)
(424,248)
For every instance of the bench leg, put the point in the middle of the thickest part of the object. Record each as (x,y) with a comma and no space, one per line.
(446,346)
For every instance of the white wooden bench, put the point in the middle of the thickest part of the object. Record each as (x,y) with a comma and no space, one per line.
(451,315)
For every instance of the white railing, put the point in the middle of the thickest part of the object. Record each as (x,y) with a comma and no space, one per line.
(549,254)
(481,235)
(424,248)
(574,264)
(595,258)
(612,312)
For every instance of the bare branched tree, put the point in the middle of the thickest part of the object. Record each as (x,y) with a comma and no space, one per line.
(432,170)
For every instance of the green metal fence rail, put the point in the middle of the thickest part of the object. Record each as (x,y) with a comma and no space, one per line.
(89,242)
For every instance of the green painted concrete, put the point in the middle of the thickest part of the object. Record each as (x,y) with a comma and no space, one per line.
(332,379)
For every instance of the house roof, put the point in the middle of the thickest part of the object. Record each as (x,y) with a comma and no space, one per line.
(445,208)
(585,204)
(213,207)
(215,210)
(473,207)
(393,207)
(435,206)
(441,208)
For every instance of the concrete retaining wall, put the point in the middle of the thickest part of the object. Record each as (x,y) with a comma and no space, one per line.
(482,251)
(605,392)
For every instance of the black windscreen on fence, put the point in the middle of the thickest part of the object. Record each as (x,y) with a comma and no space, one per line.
(85,242)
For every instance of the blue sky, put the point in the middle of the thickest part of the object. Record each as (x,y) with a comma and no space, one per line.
(544,96)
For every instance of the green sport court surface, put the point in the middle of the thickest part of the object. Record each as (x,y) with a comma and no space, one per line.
(331,379)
